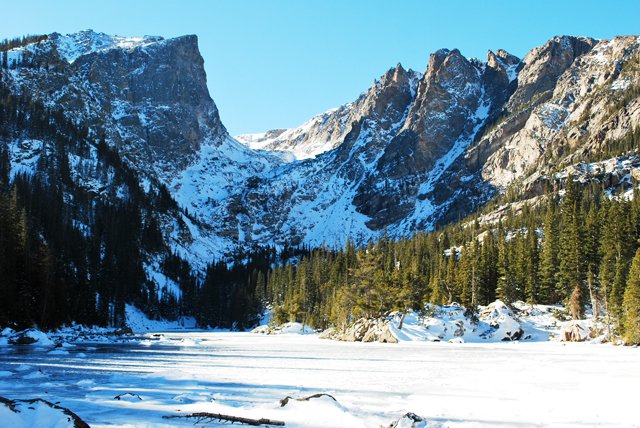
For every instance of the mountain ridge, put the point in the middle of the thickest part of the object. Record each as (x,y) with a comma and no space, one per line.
(413,151)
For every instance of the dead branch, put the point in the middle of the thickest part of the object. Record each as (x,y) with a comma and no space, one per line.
(205,416)
(286,399)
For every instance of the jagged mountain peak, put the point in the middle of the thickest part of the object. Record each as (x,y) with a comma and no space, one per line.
(506,56)
(502,59)
(397,74)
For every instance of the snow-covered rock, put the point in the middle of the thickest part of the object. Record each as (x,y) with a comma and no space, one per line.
(496,322)
(409,420)
(502,320)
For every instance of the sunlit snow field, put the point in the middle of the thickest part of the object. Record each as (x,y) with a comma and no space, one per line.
(244,374)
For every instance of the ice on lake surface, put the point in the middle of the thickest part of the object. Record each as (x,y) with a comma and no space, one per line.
(450,385)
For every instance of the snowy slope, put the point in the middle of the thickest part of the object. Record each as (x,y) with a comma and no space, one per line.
(318,135)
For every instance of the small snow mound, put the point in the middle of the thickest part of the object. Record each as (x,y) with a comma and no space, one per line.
(5,334)
(29,337)
(325,410)
(192,398)
(287,328)
(189,342)
(262,329)
(296,328)
(38,374)
(321,396)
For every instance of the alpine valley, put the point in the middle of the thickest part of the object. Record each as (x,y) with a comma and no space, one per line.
(119,177)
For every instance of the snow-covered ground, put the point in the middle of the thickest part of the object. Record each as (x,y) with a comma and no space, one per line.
(523,384)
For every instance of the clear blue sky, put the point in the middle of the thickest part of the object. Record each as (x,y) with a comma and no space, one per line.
(276,63)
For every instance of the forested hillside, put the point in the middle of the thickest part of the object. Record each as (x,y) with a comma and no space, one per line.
(573,245)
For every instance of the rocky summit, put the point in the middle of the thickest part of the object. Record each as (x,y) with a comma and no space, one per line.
(415,150)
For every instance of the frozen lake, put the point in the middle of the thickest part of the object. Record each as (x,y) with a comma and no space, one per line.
(243,374)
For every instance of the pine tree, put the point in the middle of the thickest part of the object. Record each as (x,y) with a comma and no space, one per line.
(532,277)
(488,272)
(571,273)
(549,260)
(506,290)
(632,303)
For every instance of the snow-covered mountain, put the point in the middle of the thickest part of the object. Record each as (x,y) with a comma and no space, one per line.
(413,151)
(146,97)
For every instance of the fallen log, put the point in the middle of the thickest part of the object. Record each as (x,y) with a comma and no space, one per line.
(205,416)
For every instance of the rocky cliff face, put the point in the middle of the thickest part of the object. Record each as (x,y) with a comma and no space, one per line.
(147,95)
(563,101)
(414,150)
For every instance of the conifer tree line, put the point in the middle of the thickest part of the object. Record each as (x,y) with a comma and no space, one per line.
(576,249)
(17,42)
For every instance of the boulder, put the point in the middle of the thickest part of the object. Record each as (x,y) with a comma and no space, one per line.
(363,330)
(380,332)
(328,333)
(574,331)
(262,329)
